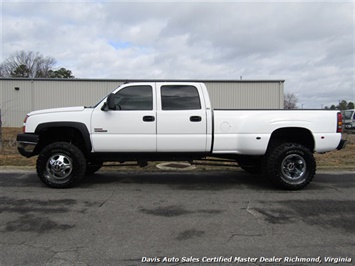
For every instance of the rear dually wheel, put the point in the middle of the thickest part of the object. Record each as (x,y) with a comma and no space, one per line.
(290,166)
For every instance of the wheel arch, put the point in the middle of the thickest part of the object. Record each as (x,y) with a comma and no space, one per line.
(72,132)
(298,135)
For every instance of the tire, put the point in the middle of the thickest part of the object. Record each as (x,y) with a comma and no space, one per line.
(61,165)
(93,167)
(290,166)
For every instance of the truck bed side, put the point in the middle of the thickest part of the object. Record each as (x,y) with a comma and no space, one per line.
(249,132)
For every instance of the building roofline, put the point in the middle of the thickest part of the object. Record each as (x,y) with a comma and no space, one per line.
(151,80)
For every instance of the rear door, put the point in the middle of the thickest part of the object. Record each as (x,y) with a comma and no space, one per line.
(181,118)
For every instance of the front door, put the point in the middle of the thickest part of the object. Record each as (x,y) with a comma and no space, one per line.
(131,127)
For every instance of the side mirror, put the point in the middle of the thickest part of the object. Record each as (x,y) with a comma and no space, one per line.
(110,103)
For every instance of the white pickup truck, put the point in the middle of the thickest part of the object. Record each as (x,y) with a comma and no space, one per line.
(166,121)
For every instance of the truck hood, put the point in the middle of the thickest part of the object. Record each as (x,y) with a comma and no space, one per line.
(57,110)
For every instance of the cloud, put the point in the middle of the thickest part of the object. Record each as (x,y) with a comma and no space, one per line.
(310,44)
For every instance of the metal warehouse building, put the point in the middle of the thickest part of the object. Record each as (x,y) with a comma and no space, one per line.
(20,96)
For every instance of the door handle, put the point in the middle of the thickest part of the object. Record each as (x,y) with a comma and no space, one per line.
(195,118)
(148,118)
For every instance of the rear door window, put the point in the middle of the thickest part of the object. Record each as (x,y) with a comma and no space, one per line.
(180,97)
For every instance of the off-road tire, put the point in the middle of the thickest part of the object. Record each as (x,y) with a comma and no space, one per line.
(61,165)
(290,166)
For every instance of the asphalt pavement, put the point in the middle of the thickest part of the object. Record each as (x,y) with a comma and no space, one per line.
(176,218)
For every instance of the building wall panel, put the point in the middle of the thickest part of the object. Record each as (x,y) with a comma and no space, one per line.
(15,103)
(248,95)
(70,93)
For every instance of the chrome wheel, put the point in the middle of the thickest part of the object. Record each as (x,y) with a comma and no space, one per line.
(290,165)
(61,165)
(293,168)
(58,168)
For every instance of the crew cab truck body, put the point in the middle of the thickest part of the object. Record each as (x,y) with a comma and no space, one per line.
(175,121)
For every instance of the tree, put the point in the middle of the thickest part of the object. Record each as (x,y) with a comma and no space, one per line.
(29,64)
(343,105)
(61,73)
(350,105)
(21,71)
(290,101)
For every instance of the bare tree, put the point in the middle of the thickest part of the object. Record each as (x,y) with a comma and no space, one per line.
(27,65)
(290,101)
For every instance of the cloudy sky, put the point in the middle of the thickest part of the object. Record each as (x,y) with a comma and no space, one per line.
(308,44)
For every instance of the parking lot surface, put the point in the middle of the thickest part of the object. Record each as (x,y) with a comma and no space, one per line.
(173,218)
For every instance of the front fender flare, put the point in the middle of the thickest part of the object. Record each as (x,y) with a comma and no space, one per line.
(81,127)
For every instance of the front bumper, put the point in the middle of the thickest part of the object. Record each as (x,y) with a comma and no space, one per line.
(342,144)
(26,144)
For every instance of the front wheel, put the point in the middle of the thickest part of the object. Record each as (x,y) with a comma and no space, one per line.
(290,166)
(61,165)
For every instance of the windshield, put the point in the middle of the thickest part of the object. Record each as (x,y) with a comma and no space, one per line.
(348,114)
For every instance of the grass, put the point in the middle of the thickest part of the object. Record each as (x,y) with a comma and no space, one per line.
(9,156)
(339,160)
(334,160)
